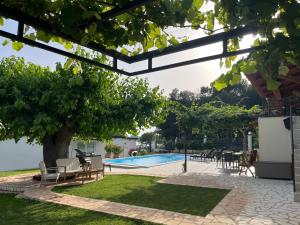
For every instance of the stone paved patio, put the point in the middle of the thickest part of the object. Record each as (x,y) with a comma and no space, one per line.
(251,201)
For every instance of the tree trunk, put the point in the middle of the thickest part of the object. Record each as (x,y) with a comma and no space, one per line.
(56,145)
(244,139)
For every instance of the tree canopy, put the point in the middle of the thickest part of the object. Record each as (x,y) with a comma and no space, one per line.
(53,106)
(148,138)
(224,117)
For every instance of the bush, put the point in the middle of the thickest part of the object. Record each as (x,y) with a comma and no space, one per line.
(113,148)
(143,152)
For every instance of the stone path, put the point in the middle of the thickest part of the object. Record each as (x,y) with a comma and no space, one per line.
(250,201)
(17,183)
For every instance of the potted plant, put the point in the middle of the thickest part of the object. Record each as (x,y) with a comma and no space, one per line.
(116,150)
(108,149)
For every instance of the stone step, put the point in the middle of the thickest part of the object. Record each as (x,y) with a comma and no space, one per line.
(297,196)
(296,142)
(296,131)
(296,161)
(297,170)
(297,179)
(296,157)
(297,185)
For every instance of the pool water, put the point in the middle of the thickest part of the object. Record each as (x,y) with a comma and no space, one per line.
(147,160)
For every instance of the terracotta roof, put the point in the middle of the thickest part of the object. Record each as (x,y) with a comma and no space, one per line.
(290,84)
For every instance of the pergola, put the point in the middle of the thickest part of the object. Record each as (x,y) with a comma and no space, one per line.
(25,19)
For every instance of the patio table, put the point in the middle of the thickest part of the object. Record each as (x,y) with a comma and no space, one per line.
(238,154)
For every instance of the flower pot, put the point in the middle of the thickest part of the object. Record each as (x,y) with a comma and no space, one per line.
(116,156)
(108,155)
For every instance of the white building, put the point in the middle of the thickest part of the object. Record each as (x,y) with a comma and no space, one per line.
(15,156)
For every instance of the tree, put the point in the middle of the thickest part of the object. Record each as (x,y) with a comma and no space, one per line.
(234,118)
(51,107)
(148,138)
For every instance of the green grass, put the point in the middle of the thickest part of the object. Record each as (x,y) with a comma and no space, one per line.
(145,191)
(16,172)
(15,211)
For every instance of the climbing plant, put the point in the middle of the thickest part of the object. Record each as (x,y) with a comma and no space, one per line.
(147,27)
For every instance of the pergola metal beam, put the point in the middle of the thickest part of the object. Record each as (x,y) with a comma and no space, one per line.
(220,37)
(59,51)
(46,27)
(194,61)
(120,10)
(223,37)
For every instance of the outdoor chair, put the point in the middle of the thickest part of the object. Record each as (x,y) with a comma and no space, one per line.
(96,166)
(248,161)
(195,156)
(218,156)
(210,155)
(69,167)
(81,156)
(228,159)
(45,175)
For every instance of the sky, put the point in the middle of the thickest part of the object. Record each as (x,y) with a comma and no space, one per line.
(190,77)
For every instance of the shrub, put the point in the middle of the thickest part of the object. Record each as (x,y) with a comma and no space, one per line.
(113,148)
(143,152)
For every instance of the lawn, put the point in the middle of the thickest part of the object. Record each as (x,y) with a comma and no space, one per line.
(15,211)
(16,172)
(145,191)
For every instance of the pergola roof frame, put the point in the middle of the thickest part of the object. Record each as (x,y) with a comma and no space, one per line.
(223,37)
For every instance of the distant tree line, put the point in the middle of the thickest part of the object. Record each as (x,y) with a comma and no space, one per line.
(211,118)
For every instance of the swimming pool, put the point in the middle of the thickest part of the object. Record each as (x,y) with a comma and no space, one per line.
(146,160)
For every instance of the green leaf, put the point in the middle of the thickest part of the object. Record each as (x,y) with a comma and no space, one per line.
(256,43)
(248,67)
(98,17)
(198,3)
(1,21)
(273,85)
(68,63)
(283,70)
(17,45)
(92,28)
(173,41)
(210,20)
(75,70)
(68,45)
(186,4)
(42,36)
(297,22)
(236,78)
(219,85)
(5,42)
(30,36)
(124,51)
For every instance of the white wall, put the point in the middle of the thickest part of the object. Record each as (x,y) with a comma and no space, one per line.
(14,156)
(125,143)
(274,140)
(99,147)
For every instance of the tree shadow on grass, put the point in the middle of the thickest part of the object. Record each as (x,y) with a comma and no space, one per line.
(28,212)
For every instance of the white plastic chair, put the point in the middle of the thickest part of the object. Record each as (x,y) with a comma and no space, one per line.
(48,176)
(97,166)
